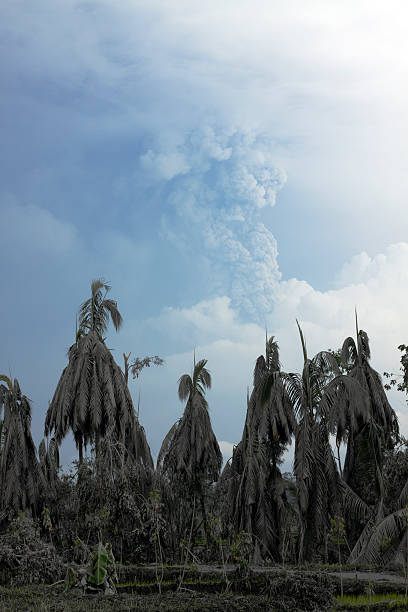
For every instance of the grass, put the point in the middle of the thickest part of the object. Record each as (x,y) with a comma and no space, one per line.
(366,600)
(40,598)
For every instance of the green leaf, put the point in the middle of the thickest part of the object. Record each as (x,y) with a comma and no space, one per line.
(70,579)
(100,561)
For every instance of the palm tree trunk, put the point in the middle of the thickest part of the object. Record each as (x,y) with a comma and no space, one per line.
(301,544)
(126,360)
(98,468)
(204,514)
(80,451)
(97,446)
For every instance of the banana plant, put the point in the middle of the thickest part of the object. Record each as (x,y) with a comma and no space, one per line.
(98,574)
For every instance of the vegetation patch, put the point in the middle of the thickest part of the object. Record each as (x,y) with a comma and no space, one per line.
(367,600)
(25,558)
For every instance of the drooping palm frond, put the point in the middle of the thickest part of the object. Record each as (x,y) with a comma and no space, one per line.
(403,497)
(190,450)
(363,344)
(128,456)
(294,388)
(349,355)
(354,504)
(9,387)
(251,504)
(21,480)
(344,404)
(92,398)
(325,363)
(166,444)
(50,463)
(112,307)
(304,462)
(202,376)
(361,543)
(137,446)
(185,387)
(381,540)
(363,417)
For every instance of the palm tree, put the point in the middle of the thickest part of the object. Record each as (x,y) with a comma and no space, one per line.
(21,480)
(92,398)
(374,427)
(190,453)
(270,409)
(257,490)
(358,412)
(317,479)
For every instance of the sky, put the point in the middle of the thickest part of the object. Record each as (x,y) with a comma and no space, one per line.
(227,167)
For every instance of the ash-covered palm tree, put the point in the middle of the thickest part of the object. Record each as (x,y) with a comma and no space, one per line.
(374,427)
(360,415)
(22,482)
(270,409)
(92,398)
(257,489)
(317,478)
(190,453)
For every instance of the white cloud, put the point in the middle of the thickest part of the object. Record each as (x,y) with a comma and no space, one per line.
(165,166)
(35,230)
(207,322)
(382,269)
(226,449)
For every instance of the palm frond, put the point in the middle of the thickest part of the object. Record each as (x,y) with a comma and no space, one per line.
(185,387)
(7,380)
(272,355)
(403,497)
(349,355)
(112,307)
(302,339)
(97,285)
(353,502)
(326,363)
(201,375)
(381,541)
(166,444)
(363,344)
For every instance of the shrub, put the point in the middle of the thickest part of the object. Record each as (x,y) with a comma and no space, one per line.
(298,591)
(25,558)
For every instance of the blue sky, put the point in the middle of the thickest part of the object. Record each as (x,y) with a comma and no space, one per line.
(225,166)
